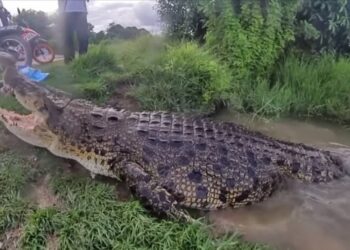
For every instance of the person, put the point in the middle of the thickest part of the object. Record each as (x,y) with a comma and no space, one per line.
(4,15)
(74,14)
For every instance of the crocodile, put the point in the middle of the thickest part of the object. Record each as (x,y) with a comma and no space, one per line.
(171,162)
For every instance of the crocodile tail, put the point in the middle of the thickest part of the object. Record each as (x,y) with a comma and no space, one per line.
(321,169)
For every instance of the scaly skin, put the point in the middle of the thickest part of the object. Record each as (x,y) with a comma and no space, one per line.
(170,161)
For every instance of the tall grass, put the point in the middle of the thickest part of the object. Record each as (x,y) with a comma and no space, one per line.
(313,87)
(97,61)
(134,55)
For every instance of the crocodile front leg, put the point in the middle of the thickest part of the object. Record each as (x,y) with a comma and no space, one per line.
(153,196)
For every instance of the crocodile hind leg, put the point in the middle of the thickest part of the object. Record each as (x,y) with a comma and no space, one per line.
(153,196)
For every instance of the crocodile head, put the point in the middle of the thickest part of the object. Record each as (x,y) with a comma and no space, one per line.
(31,96)
(32,128)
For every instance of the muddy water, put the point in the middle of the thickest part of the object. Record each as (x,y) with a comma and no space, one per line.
(302,217)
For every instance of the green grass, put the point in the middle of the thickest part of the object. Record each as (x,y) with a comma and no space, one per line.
(10,103)
(13,176)
(185,78)
(135,55)
(312,87)
(91,217)
(61,77)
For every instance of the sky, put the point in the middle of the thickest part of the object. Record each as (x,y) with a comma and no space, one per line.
(139,13)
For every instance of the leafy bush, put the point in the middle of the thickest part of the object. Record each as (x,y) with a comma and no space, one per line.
(97,61)
(183,18)
(184,78)
(249,38)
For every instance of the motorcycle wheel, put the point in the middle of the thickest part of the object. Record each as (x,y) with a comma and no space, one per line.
(43,53)
(18,47)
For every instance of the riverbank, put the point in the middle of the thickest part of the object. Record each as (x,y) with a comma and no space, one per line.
(158,74)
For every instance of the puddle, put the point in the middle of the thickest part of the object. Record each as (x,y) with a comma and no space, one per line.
(302,217)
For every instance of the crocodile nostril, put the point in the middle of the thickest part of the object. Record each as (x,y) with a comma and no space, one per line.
(113,119)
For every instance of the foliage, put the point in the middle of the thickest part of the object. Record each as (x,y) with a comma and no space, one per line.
(37,20)
(117,31)
(250,40)
(183,18)
(93,71)
(97,61)
(317,87)
(13,209)
(324,26)
(184,78)
(136,54)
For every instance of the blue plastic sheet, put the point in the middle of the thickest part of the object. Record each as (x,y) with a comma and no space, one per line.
(35,75)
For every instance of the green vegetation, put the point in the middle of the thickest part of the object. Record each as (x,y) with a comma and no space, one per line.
(272,48)
(13,176)
(250,42)
(313,87)
(90,216)
(184,78)
(323,26)
(10,103)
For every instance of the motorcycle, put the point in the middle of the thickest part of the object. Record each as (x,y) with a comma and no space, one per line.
(42,52)
(25,44)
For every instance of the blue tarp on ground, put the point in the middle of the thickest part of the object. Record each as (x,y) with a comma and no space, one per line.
(35,75)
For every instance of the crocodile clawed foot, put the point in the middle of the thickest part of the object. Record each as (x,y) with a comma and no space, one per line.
(154,197)
(93,175)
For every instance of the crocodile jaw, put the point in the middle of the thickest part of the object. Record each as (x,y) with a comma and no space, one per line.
(28,128)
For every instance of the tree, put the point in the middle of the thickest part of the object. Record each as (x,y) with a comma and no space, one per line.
(119,32)
(37,20)
(183,18)
(324,26)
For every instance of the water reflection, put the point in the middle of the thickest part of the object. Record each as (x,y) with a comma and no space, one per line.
(302,217)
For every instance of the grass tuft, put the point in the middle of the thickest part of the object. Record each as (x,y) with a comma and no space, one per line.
(13,177)
(97,61)
(185,78)
(313,87)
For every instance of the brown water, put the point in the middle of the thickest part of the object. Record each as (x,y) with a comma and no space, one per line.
(302,217)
